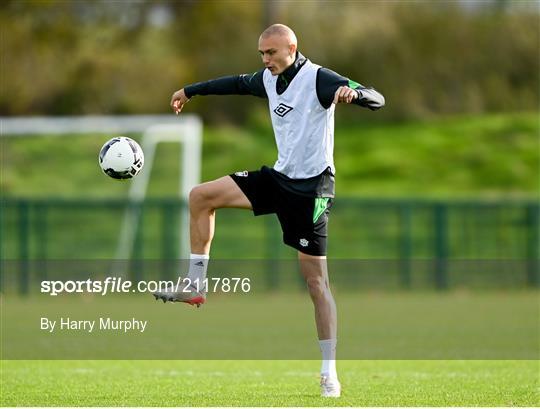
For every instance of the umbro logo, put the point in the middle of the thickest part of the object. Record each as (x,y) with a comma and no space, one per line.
(282,110)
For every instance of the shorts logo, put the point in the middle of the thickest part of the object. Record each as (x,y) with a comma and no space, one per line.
(242,174)
(282,110)
(304,242)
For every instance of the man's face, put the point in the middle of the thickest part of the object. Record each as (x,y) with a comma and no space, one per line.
(276,53)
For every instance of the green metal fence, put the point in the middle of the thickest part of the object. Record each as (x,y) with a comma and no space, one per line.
(422,239)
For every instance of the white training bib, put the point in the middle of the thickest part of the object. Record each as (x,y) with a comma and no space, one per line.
(303,129)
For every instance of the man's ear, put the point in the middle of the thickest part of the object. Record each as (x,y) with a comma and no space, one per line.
(292,49)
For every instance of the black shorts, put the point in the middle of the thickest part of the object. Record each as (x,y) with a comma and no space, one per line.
(303,219)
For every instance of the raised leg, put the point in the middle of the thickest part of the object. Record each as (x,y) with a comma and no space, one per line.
(204,199)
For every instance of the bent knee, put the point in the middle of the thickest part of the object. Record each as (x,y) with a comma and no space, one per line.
(200,197)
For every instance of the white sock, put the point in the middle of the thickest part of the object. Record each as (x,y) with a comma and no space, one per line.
(328,349)
(198,264)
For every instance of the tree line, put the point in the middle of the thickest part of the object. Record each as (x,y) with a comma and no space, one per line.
(427,58)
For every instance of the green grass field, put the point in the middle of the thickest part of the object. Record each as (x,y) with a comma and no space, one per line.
(380,334)
(279,326)
(268,383)
(262,351)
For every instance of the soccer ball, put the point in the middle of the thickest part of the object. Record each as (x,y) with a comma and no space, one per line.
(121,158)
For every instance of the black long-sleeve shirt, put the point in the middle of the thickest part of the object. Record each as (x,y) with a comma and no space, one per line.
(327,83)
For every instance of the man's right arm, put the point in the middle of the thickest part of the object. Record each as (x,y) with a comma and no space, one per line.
(245,84)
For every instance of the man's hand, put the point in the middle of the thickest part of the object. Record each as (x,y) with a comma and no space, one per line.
(345,94)
(178,100)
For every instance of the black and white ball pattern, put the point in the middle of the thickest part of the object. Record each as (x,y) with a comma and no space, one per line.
(121,158)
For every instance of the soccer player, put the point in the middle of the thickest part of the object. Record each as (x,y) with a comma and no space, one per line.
(299,189)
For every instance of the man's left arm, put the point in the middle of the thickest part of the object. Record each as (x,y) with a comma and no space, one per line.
(329,82)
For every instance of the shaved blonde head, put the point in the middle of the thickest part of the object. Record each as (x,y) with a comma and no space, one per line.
(280,30)
(277,46)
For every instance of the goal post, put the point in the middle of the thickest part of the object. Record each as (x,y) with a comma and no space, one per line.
(188,134)
(186,130)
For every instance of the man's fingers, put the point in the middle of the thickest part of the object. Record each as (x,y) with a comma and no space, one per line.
(174,100)
(177,106)
(349,95)
(345,95)
(178,100)
(337,95)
